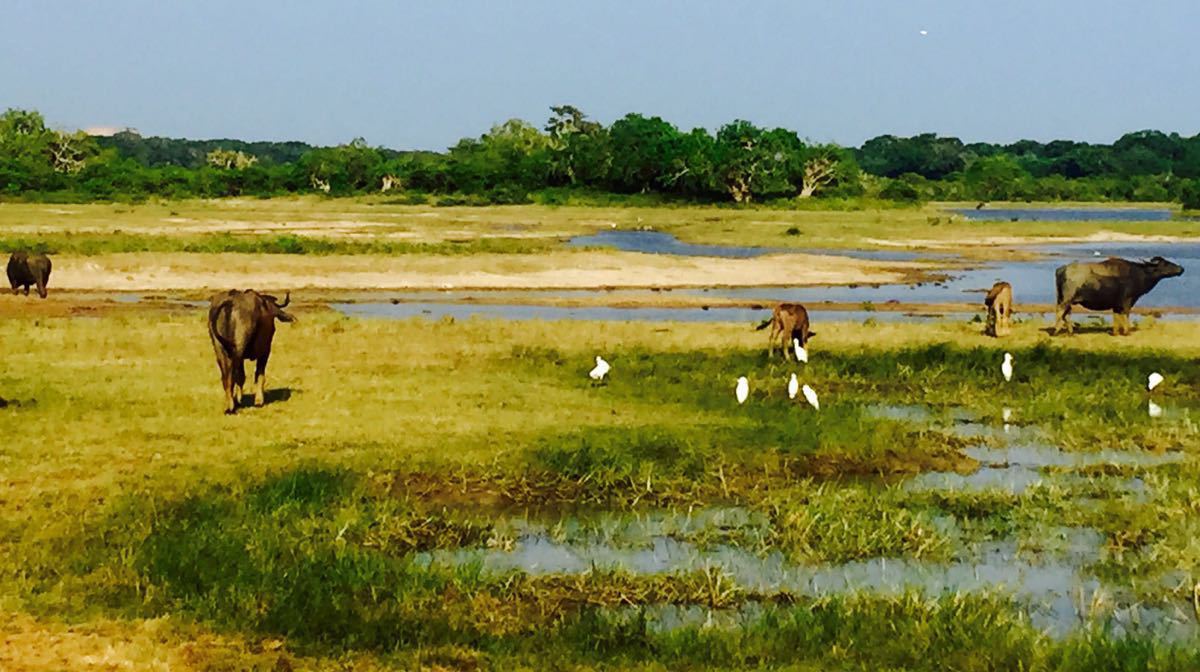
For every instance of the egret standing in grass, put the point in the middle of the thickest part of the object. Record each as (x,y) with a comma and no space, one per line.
(811,396)
(793,387)
(801,353)
(1007,367)
(1154,381)
(600,370)
(1154,409)
(742,390)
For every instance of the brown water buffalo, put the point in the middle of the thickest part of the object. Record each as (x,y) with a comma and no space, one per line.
(1113,284)
(241,325)
(999,302)
(788,321)
(25,270)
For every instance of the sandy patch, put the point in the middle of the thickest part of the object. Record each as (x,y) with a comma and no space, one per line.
(28,645)
(566,270)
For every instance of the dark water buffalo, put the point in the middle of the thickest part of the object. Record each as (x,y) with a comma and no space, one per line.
(999,304)
(25,270)
(788,321)
(241,325)
(1113,284)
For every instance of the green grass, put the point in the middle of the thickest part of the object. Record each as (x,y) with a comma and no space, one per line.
(129,498)
(353,225)
(88,244)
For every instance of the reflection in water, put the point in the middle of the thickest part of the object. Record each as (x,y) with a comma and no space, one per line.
(1169,622)
(1050,576)
(1052,583)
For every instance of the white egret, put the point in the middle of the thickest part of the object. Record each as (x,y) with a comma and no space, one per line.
(742,390)
(924,32)
(1007,367)
(1154,380)
(601,369)
(793,387)
(1006,414)
(801,353)
(811,396)
(1155,410)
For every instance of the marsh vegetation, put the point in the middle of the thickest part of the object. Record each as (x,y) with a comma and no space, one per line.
(461,494)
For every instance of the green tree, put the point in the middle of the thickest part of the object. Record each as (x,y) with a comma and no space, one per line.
(579,151)
(353,167)
(1189,194)
(35,157)
(996,178)
(927,154)
(230,159)
(647,153)
(751,162)
(512,156)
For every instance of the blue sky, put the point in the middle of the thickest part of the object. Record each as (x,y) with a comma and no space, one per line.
(422,75)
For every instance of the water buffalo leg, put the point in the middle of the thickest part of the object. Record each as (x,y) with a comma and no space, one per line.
(1063,320)
(1126,328)
(227,381)
(26,290)
(260,381)
(239,379)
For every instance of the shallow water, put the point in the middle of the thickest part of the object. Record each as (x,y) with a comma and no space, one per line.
(519,312)
(1068,214)
(1168,622)
(1018,463)
(1032,281)
(1051,582)
(657,242)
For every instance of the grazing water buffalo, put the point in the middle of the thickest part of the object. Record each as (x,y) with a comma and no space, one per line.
(1113,284)
(241,325)
(788,321)
(25,270)
(999,302)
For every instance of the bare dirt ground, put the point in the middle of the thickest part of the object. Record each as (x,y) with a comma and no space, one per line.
(558,270)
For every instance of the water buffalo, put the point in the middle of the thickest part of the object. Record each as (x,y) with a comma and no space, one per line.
(788,321)
(25,270)
(1113,284)
(241,325)
(999,302)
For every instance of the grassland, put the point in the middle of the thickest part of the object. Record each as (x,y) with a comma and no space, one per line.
(374,225)
(374,243)
(141,527)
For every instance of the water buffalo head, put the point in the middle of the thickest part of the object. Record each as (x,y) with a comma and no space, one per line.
(276,307)
(1161,268)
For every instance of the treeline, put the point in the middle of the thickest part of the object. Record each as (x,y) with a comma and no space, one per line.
(516,161)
